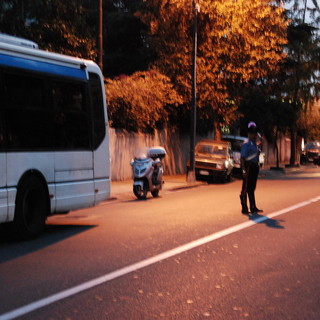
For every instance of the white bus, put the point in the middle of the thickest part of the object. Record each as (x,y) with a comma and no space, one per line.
(54,145)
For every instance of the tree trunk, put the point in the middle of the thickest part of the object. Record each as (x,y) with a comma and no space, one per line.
(293,145)
(217,132)
(276,147)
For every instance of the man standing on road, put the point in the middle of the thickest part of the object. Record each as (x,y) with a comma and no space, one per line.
(250,170)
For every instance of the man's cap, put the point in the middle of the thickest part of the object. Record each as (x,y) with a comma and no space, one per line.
(252,127)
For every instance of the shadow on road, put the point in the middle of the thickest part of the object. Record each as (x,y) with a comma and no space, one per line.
(271,223)
(10,249)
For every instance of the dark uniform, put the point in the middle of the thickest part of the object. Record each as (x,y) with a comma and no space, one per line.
(250,170)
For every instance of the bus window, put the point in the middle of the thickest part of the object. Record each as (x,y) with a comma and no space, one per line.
(71,118)
(2,132)
(30,91)
(27,118)
(99,127)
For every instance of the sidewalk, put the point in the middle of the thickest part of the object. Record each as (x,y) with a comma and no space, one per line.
(272,171)
(121,189)
(171,183)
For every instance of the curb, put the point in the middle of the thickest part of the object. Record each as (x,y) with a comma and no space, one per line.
(271,172)
(111,199)
(117,196)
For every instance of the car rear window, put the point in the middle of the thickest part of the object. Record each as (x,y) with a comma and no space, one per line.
(209,149)
(313,145)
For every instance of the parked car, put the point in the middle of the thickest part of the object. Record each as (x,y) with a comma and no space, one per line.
(213,160)
(236,142)
(311,153)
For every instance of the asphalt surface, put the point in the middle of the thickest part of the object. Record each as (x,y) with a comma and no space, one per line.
(262,268)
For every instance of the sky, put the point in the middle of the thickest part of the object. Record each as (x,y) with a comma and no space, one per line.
(310,5)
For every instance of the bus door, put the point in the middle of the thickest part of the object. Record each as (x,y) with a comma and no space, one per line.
(74,160)
(3,167)
(3,188)
(101,155)
(73,180)
(102,171)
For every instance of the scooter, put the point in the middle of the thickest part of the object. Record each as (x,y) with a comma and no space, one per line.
(147,171)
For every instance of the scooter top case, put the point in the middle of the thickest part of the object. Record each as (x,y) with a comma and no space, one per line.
(157,152)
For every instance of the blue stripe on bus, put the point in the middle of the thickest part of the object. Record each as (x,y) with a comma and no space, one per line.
(23,63)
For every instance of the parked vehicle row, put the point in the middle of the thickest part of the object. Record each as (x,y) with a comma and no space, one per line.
(311,153)
(218,160)
(213,160)
(236,142)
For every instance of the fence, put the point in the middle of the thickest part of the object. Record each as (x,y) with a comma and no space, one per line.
(123,145)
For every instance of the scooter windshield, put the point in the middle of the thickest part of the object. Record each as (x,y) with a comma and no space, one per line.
(141,153)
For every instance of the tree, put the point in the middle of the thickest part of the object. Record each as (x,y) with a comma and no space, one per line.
(301,68)
(56,25)
(301,85)
(138,102)
(125,48)
(308,122)
(237,41)
(272,114)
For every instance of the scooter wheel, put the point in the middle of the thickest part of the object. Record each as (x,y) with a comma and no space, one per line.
(155,193)
(139,192)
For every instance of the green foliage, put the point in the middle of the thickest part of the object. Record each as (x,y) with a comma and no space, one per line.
(271,114)
(125,49)
(302,64)
(309,120)
(124,36)
(301,81)
(138,102)
(282,100)
(56,25)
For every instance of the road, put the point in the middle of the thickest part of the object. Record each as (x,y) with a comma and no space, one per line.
(189,254)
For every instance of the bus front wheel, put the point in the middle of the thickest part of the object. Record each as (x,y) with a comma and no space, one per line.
(31,208)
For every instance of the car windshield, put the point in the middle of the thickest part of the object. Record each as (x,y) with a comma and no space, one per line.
(235,144)
(209,149)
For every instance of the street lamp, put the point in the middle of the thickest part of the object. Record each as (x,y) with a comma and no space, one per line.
(193,120)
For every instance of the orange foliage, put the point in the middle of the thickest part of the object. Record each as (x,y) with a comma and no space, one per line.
(238,41)
(138,102)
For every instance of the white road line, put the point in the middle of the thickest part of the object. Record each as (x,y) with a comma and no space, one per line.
(144,263)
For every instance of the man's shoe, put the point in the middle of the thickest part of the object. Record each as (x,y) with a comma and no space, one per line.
(255,210)
(245,211)
(243,200)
